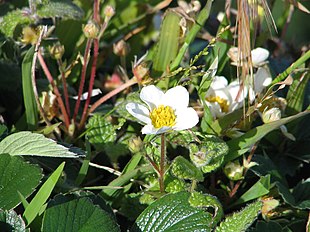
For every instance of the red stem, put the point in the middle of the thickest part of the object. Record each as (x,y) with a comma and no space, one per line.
(107,97)
(92,78)
(64,83)
(55,89)
(83,75)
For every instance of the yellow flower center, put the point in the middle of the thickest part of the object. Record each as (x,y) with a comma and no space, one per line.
(163,116)
(222,102)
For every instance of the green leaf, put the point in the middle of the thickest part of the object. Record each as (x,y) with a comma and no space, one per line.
(81,214)
(242,144)
(3,130)
(10,221)
(30,104)
(27,143)
(184,169)
(296,94)
(173,212)
(260,188)
(42,195)
(270,226)
(240,221)
(60,8)
(209,154)
(11,20)
(16,176)
(206,201)
(168,44)
(100,131)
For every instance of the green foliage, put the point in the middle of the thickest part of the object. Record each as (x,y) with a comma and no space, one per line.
(12,20)
(31,144)
(100,131)
(34,207)
(77,214)
(184,169)
(173,212)
(16,176)
(242,220)
(10,221)
(29,100)
(63,9)
(209,154)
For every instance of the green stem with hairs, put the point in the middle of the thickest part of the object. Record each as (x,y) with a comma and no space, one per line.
(162,162)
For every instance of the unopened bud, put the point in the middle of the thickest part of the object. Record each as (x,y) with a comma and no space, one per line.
(234,171)
(142,72)
(271,115)
(91,30)
(121,48)
(57,51)
(109,11)
(135,144)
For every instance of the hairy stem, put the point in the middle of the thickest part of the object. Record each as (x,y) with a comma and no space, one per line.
(55,89)
(83,75)
(64,83)
(162,162)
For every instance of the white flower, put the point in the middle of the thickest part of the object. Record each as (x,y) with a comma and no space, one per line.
(262,79)
(165,112)
(259,56)
(222,98)
(271,115)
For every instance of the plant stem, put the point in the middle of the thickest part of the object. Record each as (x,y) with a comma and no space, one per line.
(83,75)
(91,82)
(64,83)
(162,162)
(55,89)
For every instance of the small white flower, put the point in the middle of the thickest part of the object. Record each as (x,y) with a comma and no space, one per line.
(222,98)
(165,112)
(271,115)
(259,56)
(262,79)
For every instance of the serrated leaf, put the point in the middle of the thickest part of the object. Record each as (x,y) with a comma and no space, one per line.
(209,154)
(181,138)
(60,8)
(27,143)
(10,221)
(16,175)
(270,226)
(173,212)
(81,214)
(11,20)
(240,221)
(100,131)
(184,169)
(42,195)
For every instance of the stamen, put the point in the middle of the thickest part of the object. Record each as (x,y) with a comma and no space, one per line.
(222,102)
(163,116)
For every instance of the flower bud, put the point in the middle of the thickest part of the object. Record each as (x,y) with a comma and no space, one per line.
(135,144)
(234,171)
(271,115)
(57,51)
(91,30)
(142,72)
(109,11)
(121,48)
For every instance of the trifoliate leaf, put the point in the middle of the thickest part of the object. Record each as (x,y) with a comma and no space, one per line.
(184,169)
(10,221)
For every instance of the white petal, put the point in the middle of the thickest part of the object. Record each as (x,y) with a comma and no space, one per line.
(219,82)
(186,118)
(151,95)
(150,129)
(84,96)
(259,55)
(139,111)
(262,79)
(176,97)
(236,94)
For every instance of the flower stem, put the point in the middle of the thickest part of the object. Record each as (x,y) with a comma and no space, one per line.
(83,75)
(64,83)
(162,162)
(55,89)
